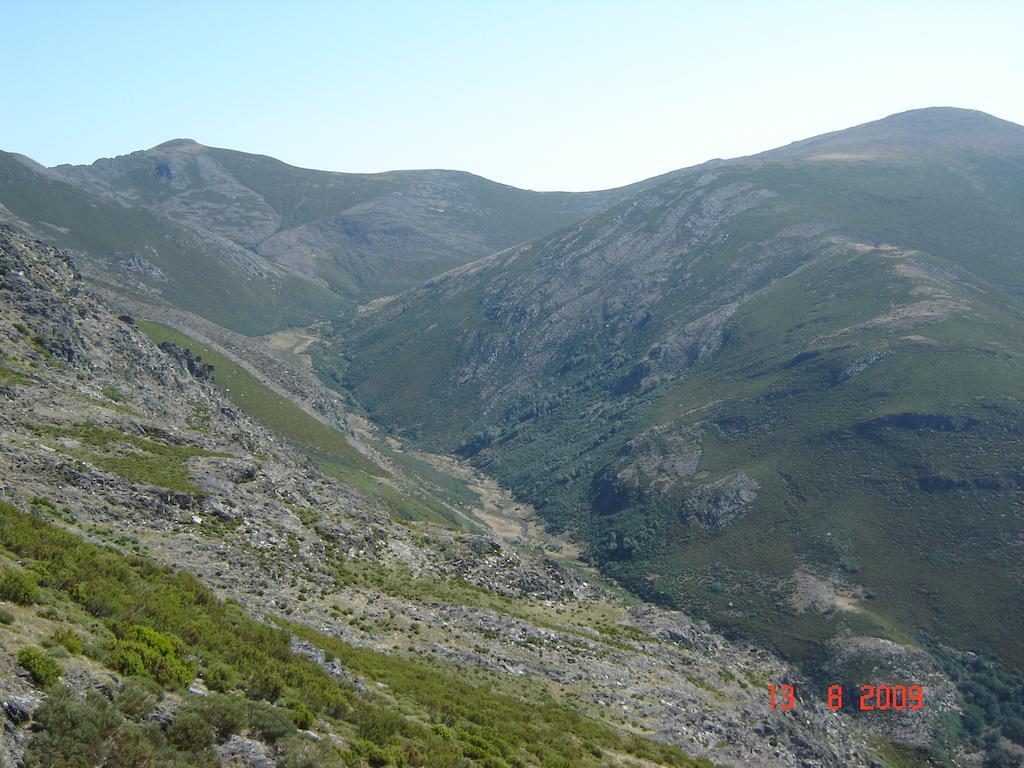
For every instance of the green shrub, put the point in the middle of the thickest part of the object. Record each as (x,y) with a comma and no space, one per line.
(190,732)
(113,393)
(300,714)
(270,722)
(134,745)
(227,715)
(144,651)
(137,697)
(303,752)
(265,685)
(6,617)
(218,676)
(72,731)
(72,641)
(44,670)
(18,587)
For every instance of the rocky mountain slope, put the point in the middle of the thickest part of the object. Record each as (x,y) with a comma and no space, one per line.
(119,458)
(783,392)
(257,245)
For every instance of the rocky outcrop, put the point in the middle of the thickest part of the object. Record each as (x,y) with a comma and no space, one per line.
(719,504)
(193,364)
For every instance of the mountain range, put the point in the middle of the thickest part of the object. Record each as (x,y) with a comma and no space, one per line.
(256,244)
(779,393)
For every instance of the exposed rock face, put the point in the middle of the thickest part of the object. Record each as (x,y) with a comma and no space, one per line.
(240,752)
(720,503)
(891,664)
(661,455)
(194,365)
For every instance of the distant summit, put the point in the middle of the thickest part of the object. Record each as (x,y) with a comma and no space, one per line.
(913,133)
(178,144)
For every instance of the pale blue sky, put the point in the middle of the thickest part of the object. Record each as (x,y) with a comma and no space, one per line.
(545,95)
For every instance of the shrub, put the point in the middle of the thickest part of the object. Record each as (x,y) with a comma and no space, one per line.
(144,651)
(265,685)
(270,722)
(190,732)
(300,714)
(6,617)
(72,731)
(218,676)
(303,752)
(72,641)
(137,697)
(113,393)
(132,746)
(44,670)
(18,587)
(227,715)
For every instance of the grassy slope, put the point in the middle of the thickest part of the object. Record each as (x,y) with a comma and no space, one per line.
(430,715)
(366,235)
(418,493)
(845,496)
(199,276)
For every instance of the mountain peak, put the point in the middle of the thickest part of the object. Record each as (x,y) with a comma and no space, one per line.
(916,132)
(186,144)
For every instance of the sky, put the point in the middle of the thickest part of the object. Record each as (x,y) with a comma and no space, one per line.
(541,95)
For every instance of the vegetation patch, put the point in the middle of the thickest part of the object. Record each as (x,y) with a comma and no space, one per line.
(138,459)
(43,670)
(164,626)
(259,401)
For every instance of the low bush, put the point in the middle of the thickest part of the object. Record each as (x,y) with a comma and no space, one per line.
(220,677)
(70,640)
(300,714)
(44,670)
(137,696)
(144,651)
(72,731)
(270,722)
(227,714)
(18,587)
(303,752)
(190,732)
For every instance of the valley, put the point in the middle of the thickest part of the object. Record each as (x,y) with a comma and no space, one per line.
(623,458)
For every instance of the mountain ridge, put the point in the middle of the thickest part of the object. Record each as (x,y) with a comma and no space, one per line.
(339,239)
(922,129)
(670,311)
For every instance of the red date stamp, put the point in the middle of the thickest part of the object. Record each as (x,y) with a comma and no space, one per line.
(869,698)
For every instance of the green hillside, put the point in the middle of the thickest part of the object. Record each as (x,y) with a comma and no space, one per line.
(159,628)
(187,267)
(805,365)
(257,245)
